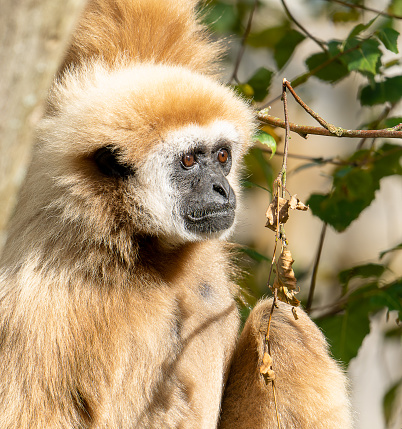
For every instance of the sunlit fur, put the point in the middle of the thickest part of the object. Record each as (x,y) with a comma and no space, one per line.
(143,31)
(310,389)
(112,314)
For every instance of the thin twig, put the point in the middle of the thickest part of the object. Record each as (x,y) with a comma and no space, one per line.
(267,343)
(282,173)
(369,9)
(332,309)
(276,405)
(303,29)
(375,123)
(315,269)
(318,160)
(280,182)
(272,263)
(243,44)
(269,321)
(267,348)
(304,131)
(331,128)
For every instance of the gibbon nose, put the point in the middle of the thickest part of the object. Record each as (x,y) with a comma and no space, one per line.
(221,189)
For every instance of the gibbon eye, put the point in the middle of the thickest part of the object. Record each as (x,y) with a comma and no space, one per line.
(188,160)
(109,164)
(223,155)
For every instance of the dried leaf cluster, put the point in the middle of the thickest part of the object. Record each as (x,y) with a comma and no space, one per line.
(284,287)
(266,368)
(285,280)
(278,210)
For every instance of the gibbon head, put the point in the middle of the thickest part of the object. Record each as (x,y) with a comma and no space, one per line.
(148,150)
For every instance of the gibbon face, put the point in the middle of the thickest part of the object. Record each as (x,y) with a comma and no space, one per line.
(156,148)
(208,201)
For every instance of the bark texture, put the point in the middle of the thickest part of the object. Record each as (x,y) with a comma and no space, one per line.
(33,37)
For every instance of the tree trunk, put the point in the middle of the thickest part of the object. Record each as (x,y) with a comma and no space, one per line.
(33,37)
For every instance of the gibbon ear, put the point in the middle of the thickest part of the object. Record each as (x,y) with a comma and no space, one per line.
(310,388)
(108,163)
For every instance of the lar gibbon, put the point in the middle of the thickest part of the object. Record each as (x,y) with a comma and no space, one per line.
(116,286)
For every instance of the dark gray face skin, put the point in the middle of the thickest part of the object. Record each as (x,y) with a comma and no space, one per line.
(207,202)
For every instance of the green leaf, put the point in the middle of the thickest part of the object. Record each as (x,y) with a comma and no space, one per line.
(352,193)
(389,38)
(389,90)
(253,254)
(364,56)
(221,17)
(352,183)
(267,140)
(248,184)
(333,72)
(392,122)
(388,296)
(393,249)
(386,161)
(307,165)
(334,47)
(354,187)
(346,332)
(260,82)
(364,271)
(395,7)
(345,16)
(336,212)
(262,170)
(359,28)
(286,46)
(269,37)
(245,90)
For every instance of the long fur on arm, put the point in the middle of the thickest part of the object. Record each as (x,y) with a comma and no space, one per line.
(311,389)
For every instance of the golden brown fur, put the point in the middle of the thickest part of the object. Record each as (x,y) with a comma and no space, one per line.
(310,389)
(143,31)
(112,315)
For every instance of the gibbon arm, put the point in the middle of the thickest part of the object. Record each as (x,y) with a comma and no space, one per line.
(310,388)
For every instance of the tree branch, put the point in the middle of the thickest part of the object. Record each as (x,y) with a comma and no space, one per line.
(374,124)
(243,44)
(315,269)
(282,174)
(316,116)
(305,130)
(307,33)
(318,160)
(362,7)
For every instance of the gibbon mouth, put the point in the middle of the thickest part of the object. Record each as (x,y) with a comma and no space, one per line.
(203,215)
(209,220)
